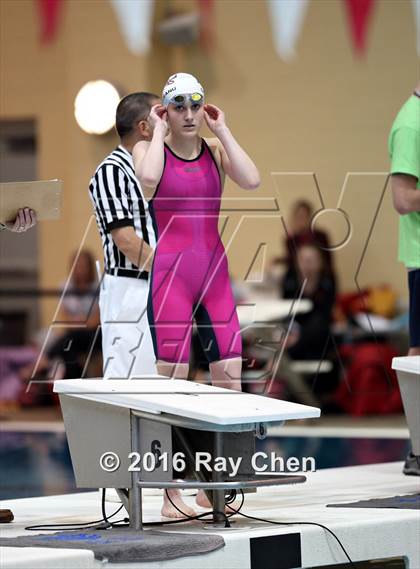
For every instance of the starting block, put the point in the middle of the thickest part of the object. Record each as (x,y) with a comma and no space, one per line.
(152,432)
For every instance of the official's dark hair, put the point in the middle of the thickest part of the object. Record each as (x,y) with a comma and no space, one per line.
(132,109)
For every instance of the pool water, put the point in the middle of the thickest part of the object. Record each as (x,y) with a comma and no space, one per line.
(38,464)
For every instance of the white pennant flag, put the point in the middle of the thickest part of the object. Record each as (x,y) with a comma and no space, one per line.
(286,18)
(135,18)
(416,10)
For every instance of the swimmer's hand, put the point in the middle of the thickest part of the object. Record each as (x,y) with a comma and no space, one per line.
(158,118)
(215,118)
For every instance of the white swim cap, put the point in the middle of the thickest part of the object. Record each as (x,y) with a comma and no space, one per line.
(181,84)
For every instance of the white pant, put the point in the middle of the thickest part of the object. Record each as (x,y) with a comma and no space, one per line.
(126,341)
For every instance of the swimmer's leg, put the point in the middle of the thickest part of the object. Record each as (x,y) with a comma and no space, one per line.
(169,313)
(173,370)
(227,373)
(220,335)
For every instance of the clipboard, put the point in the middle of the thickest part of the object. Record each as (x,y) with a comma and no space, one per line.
(43,196)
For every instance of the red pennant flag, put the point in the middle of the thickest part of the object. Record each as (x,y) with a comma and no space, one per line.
(49,11)
(206,11)
(359,13)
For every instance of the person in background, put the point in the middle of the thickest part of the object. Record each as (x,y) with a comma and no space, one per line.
(78,306)
(404,152)
(313,273)
(300,232)
(310,277)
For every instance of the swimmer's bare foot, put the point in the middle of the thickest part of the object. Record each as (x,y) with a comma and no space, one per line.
(204,502)
(169,511)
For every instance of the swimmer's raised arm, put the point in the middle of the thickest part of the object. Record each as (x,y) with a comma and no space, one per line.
(148,157)
(235,161)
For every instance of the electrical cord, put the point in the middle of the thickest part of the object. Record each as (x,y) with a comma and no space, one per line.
(230,500)
(106,524)
(294,524)
(81,525)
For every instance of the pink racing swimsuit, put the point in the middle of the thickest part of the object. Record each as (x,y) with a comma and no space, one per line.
(189,278)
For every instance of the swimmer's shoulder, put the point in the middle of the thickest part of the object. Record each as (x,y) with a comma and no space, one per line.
(213,143)
(215,146)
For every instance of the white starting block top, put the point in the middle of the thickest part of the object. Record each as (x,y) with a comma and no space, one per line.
(409,364)
(186,399)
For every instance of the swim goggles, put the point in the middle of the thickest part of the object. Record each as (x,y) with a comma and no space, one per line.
(194,98)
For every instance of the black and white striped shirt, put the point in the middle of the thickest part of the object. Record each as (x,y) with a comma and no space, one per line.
(119,202)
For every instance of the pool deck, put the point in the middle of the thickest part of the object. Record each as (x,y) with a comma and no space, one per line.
(366,534)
